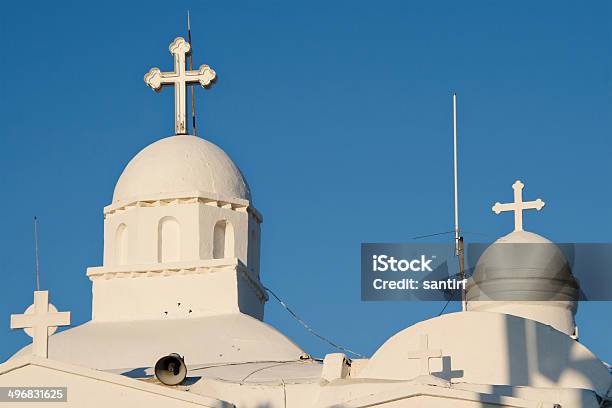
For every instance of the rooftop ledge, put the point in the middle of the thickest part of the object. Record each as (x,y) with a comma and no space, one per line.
(177,268)
(183,197)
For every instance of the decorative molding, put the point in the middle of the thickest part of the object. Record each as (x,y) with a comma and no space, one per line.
(211,199)
(177,269)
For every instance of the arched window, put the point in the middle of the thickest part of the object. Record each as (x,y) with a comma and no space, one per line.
(223,240)
(168,240)
(121,245)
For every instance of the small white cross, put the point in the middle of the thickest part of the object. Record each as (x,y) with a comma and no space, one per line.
(180,77)
(518,206)
(40,320)
(424,354)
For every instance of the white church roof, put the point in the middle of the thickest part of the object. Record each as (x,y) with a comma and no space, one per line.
(181,164)
(491,348)
(134,345)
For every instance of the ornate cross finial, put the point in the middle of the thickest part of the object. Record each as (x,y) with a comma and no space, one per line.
(424,354)
(179,78)
(40,320)
(518,205)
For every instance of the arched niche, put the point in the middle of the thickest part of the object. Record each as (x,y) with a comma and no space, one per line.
(121,245)
(168,240)
(223,240)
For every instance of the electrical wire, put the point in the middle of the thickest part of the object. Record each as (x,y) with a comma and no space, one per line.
(310,329)
(433,235)
(448,301)
(450,232)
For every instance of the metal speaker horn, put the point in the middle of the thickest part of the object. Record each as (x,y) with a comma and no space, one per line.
(171,369)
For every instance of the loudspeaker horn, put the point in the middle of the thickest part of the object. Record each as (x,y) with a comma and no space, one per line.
(171,369)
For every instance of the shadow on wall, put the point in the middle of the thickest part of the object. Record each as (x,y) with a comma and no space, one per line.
(532,350)
(447,372)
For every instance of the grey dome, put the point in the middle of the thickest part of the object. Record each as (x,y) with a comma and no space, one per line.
(522,266)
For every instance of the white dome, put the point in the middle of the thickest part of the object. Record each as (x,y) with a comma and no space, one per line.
(180,164)
(523,237)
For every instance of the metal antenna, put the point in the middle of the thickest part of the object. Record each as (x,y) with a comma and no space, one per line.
(455,173)
(458,237)
(193,115)
(36,246)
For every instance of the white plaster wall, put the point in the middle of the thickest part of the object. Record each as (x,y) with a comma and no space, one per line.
(217,288)
(196,222)
(159,297)
(492,348)
(208,216)
(254,246)
(142,224)
(558,314)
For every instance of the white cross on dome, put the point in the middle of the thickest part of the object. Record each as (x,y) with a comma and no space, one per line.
(518,205)
(179,78)
(424,354)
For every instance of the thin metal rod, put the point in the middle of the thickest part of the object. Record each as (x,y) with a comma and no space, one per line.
(459,248)
(36,246)
(193,115)
(455,173)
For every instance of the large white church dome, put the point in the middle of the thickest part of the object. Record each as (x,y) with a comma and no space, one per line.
(180,164)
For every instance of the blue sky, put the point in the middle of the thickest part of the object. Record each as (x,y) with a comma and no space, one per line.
(338,113)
